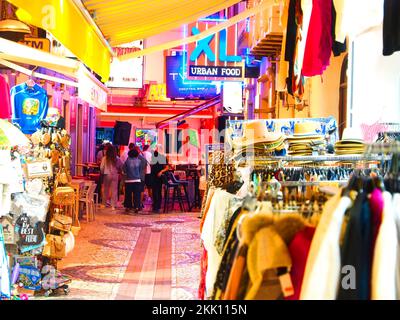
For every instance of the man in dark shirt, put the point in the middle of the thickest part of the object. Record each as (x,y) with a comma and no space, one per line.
(158,167)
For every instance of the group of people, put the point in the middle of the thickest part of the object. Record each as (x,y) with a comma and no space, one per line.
(139,169)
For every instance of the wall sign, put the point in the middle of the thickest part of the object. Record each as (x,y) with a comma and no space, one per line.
(219,72)
(91,90)
(158,92)
(214,57)
(127,74)
(37,43)
(179,87)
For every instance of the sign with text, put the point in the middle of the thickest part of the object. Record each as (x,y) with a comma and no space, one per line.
(92,91)
(216,56)
(127,74)
(37,43)
(220,72)
(179,87)
(158,92)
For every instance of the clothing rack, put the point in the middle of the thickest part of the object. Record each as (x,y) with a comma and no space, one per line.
(383,148)
(327,158)
(312,183)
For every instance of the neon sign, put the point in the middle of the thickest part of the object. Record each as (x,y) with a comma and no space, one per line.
(203,46)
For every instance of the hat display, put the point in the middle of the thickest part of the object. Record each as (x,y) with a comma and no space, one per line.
(305,140)
(351,143)
(256,138)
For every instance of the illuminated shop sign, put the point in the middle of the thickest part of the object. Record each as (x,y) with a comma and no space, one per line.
(220,72)
(179,87)
(214,57)
(127,74)
(37,43)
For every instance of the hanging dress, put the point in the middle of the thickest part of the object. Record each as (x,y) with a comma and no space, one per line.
(319,39)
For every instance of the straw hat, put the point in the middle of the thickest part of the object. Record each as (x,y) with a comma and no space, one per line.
(257,132)
(305,130)
(352,135)
(351,143)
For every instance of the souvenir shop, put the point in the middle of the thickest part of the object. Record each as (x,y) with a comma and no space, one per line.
(40,203)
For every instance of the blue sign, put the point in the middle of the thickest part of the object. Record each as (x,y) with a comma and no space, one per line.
(178,87)
(204,46)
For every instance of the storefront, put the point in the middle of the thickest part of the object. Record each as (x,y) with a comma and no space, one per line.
(285,114)
(53,102)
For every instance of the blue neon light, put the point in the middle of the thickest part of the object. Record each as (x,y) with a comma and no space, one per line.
(179,87)
(213,19)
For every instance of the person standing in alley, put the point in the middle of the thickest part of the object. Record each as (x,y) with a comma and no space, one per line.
(147,179)
(158,167)
(110,168)
(134,170)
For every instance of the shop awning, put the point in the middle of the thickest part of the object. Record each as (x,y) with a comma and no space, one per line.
(124,21)
(69,25)
(90,89)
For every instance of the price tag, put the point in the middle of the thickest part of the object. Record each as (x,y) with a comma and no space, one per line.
(286,285)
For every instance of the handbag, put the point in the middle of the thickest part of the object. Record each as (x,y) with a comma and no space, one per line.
(64,196)
(69,242)
(55,247)
(61,222)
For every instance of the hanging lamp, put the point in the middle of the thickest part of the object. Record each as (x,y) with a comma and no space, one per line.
(10,27)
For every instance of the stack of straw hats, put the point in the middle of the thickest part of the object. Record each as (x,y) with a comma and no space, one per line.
(352,142)
(258,140)
(306,141)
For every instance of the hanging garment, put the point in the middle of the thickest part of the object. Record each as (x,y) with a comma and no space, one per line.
(306,7)
(340,21)
(29,106)
(212,223)
(383,281)
(356,252)
(267,253)
(291,43)
(283,69)
(376,203)
(299,248)
(238,277)
(391,27)
(206,206)
(5,99)
(322,271)
(229,253)
(337,47)
(203,272)
(319,39)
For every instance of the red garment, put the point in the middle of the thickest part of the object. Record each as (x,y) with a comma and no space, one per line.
(299,248)
(376,203)
(5,100)
(319,39)
(203,272)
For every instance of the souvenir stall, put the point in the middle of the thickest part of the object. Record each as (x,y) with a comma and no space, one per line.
(268,239)
(38,209)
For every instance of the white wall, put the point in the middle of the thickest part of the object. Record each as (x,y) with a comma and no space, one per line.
(154,64)
(376,81)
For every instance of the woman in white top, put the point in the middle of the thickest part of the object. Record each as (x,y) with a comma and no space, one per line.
(111,167)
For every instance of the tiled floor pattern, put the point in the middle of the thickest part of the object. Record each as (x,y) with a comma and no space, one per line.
(126,257)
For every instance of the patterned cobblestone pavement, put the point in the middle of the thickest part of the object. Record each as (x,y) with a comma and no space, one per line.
(143,256)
